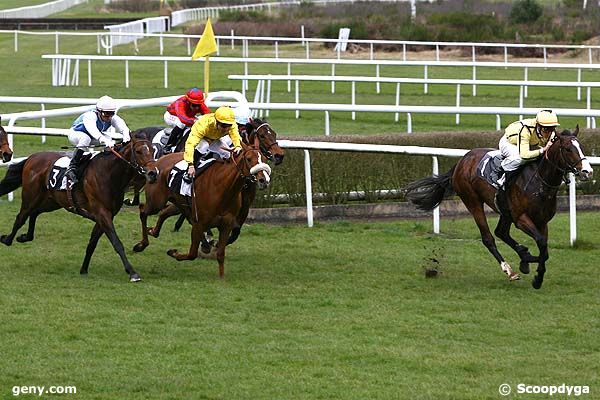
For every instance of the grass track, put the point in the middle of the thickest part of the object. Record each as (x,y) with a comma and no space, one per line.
(340,311)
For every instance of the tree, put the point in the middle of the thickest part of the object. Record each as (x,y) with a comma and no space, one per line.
(525,11)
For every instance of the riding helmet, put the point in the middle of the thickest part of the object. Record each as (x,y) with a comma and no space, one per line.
(547,118)
(195,96)
(225,115)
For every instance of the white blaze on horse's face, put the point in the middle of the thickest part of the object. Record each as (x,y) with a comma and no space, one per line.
(261,166)
(586,171)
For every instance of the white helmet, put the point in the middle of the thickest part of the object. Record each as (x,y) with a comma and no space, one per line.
(106,103)
(242,114)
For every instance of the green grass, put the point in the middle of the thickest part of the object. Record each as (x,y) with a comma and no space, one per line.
(8,4)
(339,311)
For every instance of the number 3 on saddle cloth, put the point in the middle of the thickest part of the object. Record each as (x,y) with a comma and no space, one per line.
(57,179)
(177,182)
(489,168)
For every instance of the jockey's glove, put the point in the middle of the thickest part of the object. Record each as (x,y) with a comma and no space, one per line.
(106,141)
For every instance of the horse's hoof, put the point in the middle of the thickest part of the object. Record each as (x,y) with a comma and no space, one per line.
(524,267)
(139,247)
(23,238)
(130,202)
(537,283)
(4,239)
(514,277)
(172,252)
(135,278)
(152,232)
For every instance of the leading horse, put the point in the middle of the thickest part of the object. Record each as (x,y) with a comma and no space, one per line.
(98,196)
(5,151)
(531,197)
(215,201)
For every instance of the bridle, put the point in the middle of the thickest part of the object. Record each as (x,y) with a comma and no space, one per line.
(133,163)
(266,150)
(570,167)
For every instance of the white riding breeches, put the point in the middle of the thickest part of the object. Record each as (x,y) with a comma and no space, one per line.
(512,158)
(80,139)
(218,146)
(173,120)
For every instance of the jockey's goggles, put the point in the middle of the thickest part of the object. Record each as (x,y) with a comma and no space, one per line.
(107,113)
(222,125)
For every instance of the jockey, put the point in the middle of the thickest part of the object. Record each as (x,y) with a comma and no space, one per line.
(90,129)
(207,134)
(181,113)
(243,116)
(524,141)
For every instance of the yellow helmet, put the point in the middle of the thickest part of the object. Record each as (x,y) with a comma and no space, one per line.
(225,115)
(547,118)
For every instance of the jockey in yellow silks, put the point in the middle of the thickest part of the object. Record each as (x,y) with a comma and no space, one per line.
(207,133)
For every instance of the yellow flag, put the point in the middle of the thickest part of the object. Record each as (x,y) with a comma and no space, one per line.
(207,43)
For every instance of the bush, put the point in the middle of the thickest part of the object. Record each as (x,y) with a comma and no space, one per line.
(525,11)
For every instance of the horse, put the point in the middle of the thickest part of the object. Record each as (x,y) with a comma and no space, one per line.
(215,202)
(98,196)
(5,151)
(531,197)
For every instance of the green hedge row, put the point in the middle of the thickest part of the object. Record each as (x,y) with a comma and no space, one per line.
(336,173)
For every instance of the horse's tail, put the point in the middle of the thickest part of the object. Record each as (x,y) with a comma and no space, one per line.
(13,178)
(428,193)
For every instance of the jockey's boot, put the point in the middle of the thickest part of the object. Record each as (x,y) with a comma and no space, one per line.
(174,137)
(72,170)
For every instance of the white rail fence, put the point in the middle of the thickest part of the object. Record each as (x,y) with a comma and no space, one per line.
(64,74)
(263,86)
(260,41)
(41,10)
(134,31)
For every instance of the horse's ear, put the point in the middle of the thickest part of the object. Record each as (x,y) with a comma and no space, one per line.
(576,131)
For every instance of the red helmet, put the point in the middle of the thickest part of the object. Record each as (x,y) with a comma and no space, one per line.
(195,96)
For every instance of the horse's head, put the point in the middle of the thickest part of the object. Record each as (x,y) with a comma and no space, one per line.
(252,167)
(5,149)
(267,138)
(142,156)
(567,153)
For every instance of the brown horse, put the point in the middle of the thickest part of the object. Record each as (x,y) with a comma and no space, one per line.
(215,202)
(267,138)
(5,150)
(531,197)
(98,195)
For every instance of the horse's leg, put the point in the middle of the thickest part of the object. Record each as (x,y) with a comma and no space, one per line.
(106,224)
(197,233)
(94,237)
(224,233)
(503,232)
(247,199)
(164,214)
(541,239)
(179,223)
(476,209)
(19,222)
(142,244)
(28,237)
(136,195)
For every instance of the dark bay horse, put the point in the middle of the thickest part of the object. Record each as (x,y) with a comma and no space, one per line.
(5,150)
(531,197)
(98,196)
(215,202)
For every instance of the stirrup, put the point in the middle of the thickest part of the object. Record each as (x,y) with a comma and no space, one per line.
(71,176)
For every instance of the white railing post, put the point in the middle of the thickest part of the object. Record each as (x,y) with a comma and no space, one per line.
(457,103)
(572,208)
(579,88)
(127,73)
(353,99)
(327,128)
(397,114)
(166,72)
(308,184)
(297,97)
(436,211)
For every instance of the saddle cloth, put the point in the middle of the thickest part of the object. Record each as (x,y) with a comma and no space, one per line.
(179,185)
(489,167)
(57,179)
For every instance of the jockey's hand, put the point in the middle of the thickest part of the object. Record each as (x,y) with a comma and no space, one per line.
(191,171)
(237,150)
(547,146)
(126,136)
(108,142)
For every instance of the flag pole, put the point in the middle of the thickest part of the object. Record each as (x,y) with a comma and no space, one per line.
(206,73)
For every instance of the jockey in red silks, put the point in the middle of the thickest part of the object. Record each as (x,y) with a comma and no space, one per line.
(182,113)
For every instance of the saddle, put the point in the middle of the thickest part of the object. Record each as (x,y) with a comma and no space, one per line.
(178,182)
(489,167)
(57,179)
